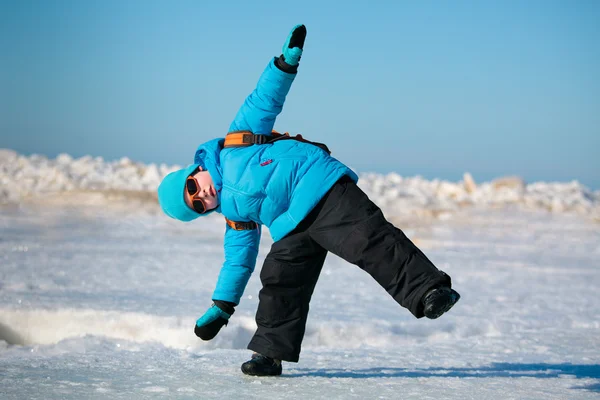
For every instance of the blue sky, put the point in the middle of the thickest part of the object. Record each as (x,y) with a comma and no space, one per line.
(434,88)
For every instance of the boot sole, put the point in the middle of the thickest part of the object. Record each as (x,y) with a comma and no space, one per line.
(252,373)
(256,374)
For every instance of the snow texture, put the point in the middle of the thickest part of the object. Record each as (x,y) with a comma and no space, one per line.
(99,293)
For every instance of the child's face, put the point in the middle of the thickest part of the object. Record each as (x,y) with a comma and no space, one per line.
(206,191)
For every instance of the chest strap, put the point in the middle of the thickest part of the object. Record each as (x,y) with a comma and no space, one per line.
(247,138)
(241,226)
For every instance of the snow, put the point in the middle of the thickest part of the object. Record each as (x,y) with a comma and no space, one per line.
(99,293)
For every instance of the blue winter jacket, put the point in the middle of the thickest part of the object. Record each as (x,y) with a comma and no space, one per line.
(275,185)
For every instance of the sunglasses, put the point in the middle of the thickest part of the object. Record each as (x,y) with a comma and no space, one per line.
(192,188)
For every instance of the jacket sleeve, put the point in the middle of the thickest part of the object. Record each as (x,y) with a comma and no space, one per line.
(241,250)
(263,105)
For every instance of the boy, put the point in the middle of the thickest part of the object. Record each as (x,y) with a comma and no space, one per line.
(311,204)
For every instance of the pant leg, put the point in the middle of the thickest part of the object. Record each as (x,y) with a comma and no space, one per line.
(351,226)
(289,275)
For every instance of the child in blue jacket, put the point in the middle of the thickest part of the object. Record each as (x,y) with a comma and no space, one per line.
(311,204)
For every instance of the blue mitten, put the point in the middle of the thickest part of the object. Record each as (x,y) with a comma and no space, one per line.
(208,325)
(292,48)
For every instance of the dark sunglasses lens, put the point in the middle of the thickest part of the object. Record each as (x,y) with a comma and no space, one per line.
(191,187)
(199,206)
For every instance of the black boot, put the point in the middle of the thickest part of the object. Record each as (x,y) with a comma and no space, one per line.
(439,300)
(261,365)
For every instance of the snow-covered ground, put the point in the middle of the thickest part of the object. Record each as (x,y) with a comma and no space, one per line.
(99,293)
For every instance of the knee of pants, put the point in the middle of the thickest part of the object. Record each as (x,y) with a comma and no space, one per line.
(371,238)
(276,308)
(281,274)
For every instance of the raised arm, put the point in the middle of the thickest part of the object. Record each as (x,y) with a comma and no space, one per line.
(263,105)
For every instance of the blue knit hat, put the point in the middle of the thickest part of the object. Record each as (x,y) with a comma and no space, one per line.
(170,195)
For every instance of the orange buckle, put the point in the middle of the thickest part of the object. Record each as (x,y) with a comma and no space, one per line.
(243,139)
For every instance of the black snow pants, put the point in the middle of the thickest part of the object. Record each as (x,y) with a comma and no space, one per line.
(348,224)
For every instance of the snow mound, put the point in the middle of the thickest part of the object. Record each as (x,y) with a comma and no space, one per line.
(399,195)
(45,327)
(26,177)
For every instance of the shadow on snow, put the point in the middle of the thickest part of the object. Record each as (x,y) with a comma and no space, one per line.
(495,370)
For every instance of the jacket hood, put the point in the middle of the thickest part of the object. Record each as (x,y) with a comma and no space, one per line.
(207,157)
(171,189)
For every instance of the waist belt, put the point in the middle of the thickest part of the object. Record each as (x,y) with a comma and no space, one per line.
(241,226)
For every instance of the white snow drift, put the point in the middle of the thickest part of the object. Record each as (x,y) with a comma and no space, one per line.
(34,176)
